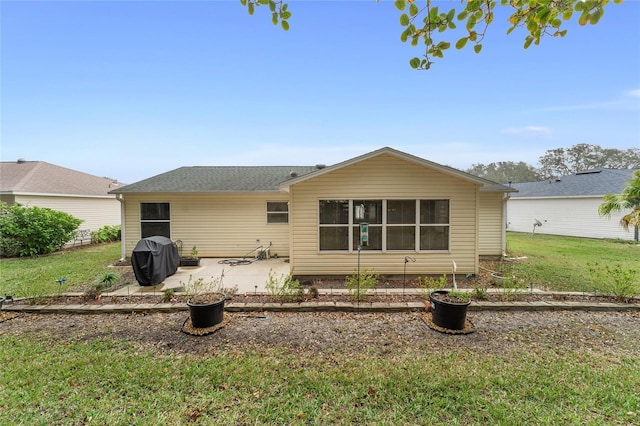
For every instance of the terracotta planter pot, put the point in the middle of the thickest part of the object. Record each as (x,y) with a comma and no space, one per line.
(447,315)
(206,310)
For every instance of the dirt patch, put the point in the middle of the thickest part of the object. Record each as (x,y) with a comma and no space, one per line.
(158,297)
(320,334)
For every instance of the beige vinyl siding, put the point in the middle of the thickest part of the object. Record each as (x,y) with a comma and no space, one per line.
(95,212)
(491,224)
(383,177)
(574,217)
(219,225)
(7,198)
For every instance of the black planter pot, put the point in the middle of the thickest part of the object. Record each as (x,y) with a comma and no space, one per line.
(448,315)
(204,315)
(189,261)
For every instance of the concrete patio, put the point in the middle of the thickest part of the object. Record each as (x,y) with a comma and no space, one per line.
(248,278)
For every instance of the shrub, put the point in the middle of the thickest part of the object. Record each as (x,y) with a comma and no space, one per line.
(29,231)
(106,234)
(428,284)
(285,288)
(615,280)
(359,285)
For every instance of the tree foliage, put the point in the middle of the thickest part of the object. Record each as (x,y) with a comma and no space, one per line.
(424,23)
(628,200)
(28,231)
(580,157)
(506,171)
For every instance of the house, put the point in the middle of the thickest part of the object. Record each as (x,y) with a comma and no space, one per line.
(569,205)
(38,183)
(313,214)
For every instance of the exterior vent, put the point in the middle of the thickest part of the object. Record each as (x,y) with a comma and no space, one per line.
(320,166)
(21,161)
(293,174)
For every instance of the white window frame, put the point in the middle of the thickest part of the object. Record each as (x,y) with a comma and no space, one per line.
(284,213)
(384,225)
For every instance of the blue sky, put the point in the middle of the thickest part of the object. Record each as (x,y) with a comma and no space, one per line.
(132,89)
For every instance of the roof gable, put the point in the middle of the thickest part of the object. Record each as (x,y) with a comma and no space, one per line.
(40,177)
(485,185)
(596,182)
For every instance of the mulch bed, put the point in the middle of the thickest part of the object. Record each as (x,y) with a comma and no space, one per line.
(265,298)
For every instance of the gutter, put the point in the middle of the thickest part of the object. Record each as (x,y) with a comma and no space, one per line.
(122,228)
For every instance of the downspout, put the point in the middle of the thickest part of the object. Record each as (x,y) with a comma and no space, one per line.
(123,238)
(506,224)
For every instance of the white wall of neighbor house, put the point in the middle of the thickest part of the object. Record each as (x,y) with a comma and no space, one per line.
(219,225)
(383,177)
(574,217)
(96,212)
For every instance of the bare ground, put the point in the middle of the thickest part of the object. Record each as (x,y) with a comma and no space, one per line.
(321,334)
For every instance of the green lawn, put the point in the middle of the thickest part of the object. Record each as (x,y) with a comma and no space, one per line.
(563,263)
(36,276)
(106,382)
(559,263)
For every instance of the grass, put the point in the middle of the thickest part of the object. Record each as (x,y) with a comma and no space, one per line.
(109,382)
(37,276)
(106,381)
(563,263)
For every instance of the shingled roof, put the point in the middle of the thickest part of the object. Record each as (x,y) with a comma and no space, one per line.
(40,177)
(218,179)
(596,182)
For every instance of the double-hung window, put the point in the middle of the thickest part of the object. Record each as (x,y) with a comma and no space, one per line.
(155,219)
(334,224)
(393,225)
(277,212)
(369,211)
(401,224)
(434,224)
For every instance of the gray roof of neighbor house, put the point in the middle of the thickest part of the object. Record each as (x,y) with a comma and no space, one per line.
(595,182)
(218,179)
(40,177)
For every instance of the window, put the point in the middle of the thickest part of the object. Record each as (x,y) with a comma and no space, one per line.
(401,224)
(434,224)
(369,211)
(334,224)
(394,225)
(155,219)
(277,212)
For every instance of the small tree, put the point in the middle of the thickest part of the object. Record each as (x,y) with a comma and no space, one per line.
(628,200)
(29,231)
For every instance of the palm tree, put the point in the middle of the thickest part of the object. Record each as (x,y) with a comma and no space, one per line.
(629,199)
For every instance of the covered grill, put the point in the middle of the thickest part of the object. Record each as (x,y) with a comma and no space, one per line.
(154,259)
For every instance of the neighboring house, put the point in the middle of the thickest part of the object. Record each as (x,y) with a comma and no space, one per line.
(569,205)
(37,183)
(413,207)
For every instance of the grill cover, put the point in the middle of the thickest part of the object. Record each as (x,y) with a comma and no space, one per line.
(154,259)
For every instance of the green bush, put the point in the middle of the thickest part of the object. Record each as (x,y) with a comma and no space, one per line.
(106,234)
(359,285)
(285,288)
(29,231)
(615,280)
